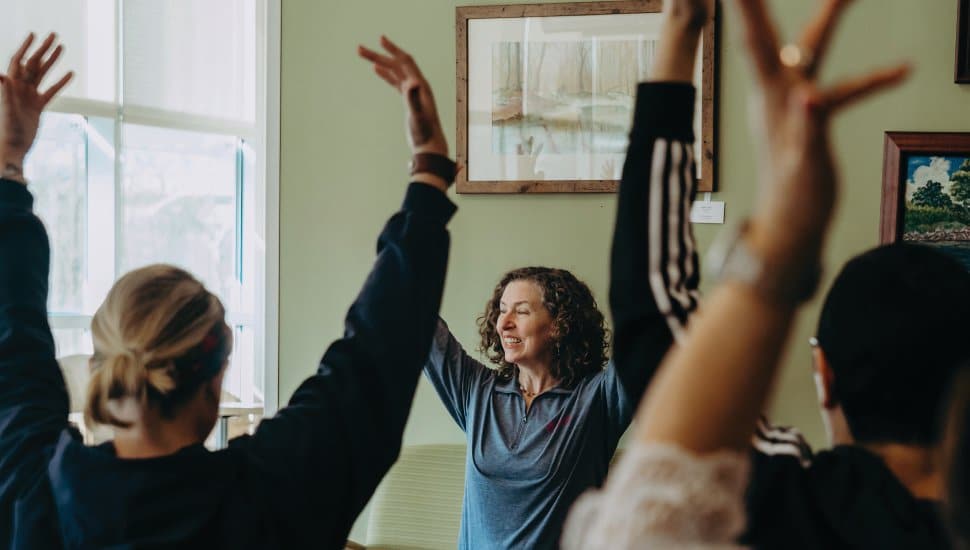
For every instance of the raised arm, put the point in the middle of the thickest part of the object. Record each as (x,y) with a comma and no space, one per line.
(33,398)
(449,369)
(654,269)
(330,446)
(452,372)
(682,482)
(710,391)
(23,102)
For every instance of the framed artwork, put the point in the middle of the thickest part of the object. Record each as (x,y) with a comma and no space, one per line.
(926,191)
(546,94)
(961,74)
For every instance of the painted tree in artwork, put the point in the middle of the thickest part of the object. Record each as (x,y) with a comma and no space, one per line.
(507,67)
(961,183)
(537,55)
(932,195)
(582,80)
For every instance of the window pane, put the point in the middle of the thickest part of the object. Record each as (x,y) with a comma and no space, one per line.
(191,57)
(250,246)
(179,203)
(72,341)
(87,29)
(244,379)
(57,170)
(71,173)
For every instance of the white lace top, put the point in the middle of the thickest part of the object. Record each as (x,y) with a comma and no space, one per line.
(662,496)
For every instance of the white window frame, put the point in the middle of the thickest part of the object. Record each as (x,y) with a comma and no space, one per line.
(264,136)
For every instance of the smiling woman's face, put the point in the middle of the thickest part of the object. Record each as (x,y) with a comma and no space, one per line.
(525,325)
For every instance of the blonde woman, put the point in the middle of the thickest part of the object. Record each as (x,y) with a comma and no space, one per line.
(161,347)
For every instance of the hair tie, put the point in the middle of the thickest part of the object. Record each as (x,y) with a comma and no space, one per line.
(205,360)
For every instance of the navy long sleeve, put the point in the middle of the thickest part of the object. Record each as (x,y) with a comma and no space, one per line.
(33,397)
(342,429)
(299,481)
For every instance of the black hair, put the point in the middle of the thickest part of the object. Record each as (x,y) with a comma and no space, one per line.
(894,330)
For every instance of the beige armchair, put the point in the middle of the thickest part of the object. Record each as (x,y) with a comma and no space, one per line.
(418,505)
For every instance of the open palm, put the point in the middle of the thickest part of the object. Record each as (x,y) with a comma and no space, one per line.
(792,120)
(400,71)
(21,101)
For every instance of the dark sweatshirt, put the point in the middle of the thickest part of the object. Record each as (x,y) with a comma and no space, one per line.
(299,481)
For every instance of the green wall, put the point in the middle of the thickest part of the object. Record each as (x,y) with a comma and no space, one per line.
(343,171)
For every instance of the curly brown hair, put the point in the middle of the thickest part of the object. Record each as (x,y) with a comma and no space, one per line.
(580,340)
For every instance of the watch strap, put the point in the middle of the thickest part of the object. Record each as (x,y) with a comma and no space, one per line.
(433,163)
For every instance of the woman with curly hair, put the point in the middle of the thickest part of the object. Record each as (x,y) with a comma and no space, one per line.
(576,346)
(543,420)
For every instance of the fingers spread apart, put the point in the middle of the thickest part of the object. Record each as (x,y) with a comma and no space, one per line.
(56,87)
(13,70)
(854,89)
(33,64)
(33,71)
(818,34)
(394,68)
(761,38)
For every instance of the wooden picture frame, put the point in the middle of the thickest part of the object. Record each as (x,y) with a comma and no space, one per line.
(961,71)
(584,153)
(917,204)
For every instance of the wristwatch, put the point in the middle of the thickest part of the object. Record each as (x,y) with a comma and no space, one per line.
(433,163)
(731,259)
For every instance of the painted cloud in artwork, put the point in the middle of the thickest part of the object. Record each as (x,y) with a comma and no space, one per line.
(923,170)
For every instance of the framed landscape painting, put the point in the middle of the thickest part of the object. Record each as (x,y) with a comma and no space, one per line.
(546,94)
(926,191)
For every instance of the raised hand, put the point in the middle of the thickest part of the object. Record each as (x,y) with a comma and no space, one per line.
(683,22)
(21,101)
(400,71)
(791,124)
(694,13)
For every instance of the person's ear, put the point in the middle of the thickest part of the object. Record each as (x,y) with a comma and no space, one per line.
(824,379)
(213,388)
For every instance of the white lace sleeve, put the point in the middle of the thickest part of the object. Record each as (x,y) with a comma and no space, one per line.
(662,496)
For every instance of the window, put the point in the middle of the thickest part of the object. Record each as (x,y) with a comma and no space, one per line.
(162,149)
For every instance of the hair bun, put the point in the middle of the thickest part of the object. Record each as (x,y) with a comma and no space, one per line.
(152,317)
(125,373)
